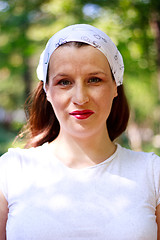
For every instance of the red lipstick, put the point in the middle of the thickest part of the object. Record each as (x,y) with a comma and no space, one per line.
(83,114)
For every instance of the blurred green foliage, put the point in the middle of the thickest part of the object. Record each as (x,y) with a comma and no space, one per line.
(134,25)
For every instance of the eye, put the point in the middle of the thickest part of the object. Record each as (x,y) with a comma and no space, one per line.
(94,80)
(64,82)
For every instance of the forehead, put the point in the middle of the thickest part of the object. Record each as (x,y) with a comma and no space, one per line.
(85,54)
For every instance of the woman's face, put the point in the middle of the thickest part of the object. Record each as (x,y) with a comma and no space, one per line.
(80,90)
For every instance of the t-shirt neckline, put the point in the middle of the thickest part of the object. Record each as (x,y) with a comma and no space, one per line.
(106,161)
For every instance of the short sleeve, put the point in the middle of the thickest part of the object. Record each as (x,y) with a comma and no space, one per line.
(156,177)
(9,163)
(4,165)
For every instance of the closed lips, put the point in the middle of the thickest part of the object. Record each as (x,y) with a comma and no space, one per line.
(82,115)
(82,112)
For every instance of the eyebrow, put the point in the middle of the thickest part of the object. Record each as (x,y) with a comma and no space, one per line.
(96,73)
(59,75)
(90,74)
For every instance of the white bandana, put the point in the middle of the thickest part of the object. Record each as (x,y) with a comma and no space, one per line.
(87,34)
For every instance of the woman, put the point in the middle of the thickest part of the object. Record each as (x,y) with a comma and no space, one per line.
(74,182)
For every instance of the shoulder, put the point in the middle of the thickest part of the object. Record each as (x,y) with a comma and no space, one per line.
(139,163)
(20,156)
(18,166)
(144,169)
(141,157)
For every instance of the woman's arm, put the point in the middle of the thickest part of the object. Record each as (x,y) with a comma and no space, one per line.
(3,216)
(158,221)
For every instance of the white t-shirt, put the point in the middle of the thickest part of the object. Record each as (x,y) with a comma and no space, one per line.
(113,200)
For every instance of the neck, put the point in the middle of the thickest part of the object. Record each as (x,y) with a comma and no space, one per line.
(83,152)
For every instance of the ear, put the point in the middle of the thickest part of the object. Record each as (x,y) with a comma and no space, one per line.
(47,93)
(115,90)
(116,93)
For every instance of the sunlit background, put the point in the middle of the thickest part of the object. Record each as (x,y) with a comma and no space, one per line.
(134,26)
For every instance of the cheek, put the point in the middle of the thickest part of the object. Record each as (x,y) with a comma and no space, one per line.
(105,102)
(53,99)
(58,101)
(105,96)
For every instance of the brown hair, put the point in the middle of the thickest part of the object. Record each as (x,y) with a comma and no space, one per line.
(43,125)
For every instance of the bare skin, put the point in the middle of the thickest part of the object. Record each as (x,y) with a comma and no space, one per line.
(77,84)
(3,216)
(158,221)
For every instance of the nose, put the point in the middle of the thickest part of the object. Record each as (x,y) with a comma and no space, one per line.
(80,95)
